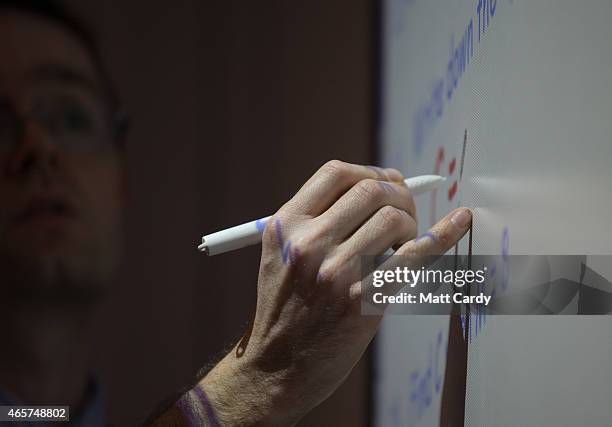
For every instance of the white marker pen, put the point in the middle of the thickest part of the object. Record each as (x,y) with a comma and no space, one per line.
(249,234)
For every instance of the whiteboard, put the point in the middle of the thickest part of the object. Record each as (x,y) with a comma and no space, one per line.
(528,85)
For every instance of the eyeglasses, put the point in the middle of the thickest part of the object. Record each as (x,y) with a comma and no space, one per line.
(73,122)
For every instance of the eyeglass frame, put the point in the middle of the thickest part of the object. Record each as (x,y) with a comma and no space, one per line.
(118,121)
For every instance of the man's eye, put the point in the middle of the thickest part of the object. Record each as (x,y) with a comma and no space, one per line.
(76,120)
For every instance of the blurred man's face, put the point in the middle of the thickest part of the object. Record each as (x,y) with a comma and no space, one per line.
(61,182)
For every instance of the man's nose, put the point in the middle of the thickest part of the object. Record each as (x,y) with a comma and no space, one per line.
(35,152)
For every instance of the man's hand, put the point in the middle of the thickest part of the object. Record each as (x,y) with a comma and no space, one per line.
(308,332)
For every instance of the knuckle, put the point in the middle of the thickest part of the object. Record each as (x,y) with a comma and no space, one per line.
(268,236)
(275,229)
(369,189)
(328,274)
(306,246)
(302,248)
(392,217)
(336,169)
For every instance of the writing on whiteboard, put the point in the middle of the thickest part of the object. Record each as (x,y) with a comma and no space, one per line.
(429,113)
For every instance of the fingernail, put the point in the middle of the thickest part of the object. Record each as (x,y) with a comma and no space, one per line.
(462,218)
(394,174)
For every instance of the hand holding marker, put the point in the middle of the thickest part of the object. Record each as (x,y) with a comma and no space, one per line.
(249,234)
(311,252)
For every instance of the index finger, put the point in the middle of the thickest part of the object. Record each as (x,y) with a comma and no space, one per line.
(424,250)
(441,237)
(331,181)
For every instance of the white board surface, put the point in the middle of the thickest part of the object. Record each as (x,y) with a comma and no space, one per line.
(530,83)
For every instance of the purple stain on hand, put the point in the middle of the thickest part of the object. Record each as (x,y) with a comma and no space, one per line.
(286,253)
(429,234)
(188,406)
(387,188)
(279,234)
(185,407)
(260,224)
(284,247)
(210,413)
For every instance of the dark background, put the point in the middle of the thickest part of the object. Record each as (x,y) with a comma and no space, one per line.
(235,104)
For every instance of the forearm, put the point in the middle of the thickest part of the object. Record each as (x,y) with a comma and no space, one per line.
(233,393)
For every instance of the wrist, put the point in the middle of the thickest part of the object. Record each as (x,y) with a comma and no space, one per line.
(241,394)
